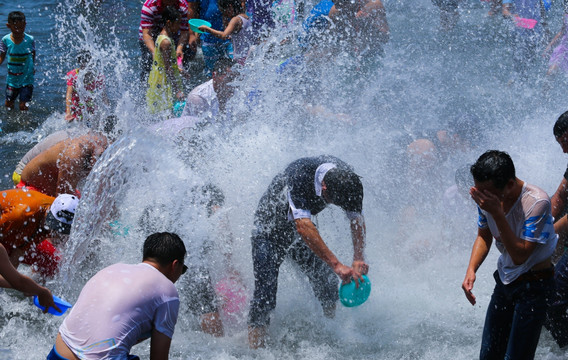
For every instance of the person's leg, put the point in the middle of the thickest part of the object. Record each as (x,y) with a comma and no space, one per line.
(531,302)
(26,93)
(323,280)
(557,317)
(266,264)
(497,323)
(11,95)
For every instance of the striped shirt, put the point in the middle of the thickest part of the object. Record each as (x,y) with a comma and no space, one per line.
(151,17)
(20,60)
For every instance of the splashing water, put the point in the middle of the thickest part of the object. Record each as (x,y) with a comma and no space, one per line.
(418,253)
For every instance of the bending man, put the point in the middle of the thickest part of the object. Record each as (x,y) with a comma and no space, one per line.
(304,189)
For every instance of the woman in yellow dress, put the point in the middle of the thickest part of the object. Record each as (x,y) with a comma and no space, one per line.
(165,80)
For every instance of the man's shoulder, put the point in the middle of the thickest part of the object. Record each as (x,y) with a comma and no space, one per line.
(28,37)
(535,192)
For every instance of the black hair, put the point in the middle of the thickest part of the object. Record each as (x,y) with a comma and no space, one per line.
(83,58)
(53,224)
(170,13)
(344,189)
(496,166)
(237,5)
(16,16)
(561,125)
(164,248)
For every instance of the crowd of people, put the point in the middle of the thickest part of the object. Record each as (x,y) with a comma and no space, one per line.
(38,214)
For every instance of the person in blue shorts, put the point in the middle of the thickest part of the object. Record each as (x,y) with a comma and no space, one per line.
(213,48)
(283,228)
(19,48)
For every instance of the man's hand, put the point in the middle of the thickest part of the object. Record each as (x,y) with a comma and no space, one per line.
(347,274)
(467,286)
(486,201)
(45,299)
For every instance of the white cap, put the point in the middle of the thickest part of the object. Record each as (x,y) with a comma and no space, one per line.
(63,208)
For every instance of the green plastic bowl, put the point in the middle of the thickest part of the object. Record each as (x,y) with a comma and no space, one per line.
(195,23)
(350,295)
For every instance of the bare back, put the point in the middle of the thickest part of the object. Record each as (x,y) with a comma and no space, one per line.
(59,169)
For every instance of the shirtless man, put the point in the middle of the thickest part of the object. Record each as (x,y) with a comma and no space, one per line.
(59,169)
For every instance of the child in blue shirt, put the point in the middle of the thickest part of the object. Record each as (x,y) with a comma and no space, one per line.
(19,48)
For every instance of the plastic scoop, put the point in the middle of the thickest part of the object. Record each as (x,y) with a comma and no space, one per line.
(178,108)
(180,65)
(525,23)
(350,295)
(62,304)
(194,24)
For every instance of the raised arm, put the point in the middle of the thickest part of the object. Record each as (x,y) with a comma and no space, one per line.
(234,25)
(519,249)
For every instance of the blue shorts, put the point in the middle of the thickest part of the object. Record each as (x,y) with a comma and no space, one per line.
(54,355)
(25,93)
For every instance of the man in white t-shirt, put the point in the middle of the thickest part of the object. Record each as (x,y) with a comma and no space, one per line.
(210,98)
(125,304)
(518,216)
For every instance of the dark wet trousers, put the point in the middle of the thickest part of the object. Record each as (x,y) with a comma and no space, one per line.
(514,319)
(268,255)
(557,317)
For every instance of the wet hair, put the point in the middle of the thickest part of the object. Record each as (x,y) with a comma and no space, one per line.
(561,125)
(164,248)
(496,166)
(83,58)
(171,14)
(16,16)
(237,5)
(344,189)
(53,224)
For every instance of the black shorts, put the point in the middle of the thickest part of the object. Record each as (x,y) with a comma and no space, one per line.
(25,93)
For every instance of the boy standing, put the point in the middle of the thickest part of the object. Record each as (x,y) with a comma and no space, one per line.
(20,49)
(517,215)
